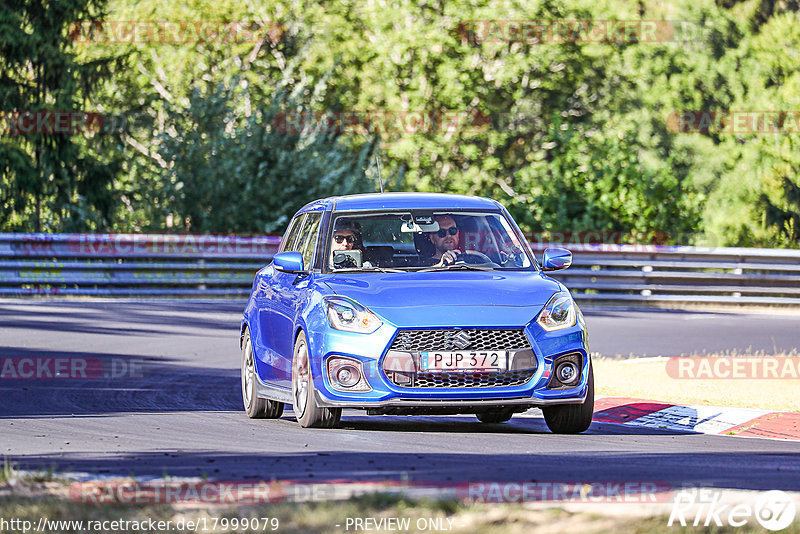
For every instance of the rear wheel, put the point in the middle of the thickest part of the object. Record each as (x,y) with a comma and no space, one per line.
(255,407)
(308,414)
(494,416)
(572,418)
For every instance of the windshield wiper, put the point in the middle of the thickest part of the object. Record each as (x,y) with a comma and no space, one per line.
(456,266)
(368,270)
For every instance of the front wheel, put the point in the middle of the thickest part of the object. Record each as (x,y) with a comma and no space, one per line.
(255,407)
(308,414)
(572,418)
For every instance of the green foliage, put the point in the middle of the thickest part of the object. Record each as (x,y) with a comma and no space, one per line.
(228,171)
(597,183)
(578,135)
(51,181)
(750,197)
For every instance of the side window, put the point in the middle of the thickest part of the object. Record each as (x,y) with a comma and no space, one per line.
(290,237)
(308,237)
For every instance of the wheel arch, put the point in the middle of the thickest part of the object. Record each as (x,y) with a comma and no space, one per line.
(299,329)
(242,330)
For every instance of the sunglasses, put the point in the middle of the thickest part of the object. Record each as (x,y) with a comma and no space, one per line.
(340,238)
(443,232)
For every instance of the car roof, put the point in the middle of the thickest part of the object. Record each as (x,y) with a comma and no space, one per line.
(420,201)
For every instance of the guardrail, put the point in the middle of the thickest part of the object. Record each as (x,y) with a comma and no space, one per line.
(206,265)
(672,275)
(131,264)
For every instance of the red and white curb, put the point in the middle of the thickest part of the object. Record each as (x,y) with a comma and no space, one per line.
(742,422)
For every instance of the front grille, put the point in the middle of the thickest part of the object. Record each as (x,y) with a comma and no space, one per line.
(443,339)
(465,380)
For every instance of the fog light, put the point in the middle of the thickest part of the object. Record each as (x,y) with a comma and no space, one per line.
(348,376)
(567,373)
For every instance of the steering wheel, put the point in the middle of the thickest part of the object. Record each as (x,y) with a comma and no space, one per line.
(515,255)
(473,258)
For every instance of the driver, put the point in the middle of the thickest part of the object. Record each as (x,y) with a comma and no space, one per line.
(346,236)
(445,240)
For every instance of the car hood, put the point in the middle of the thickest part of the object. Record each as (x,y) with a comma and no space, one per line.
(452,298)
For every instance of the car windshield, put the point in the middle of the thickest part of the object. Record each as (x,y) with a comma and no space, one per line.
(432,240)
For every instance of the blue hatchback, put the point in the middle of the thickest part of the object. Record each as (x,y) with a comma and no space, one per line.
(413,303)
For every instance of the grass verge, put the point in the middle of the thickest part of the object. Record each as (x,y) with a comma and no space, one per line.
(332,517)
(7,472)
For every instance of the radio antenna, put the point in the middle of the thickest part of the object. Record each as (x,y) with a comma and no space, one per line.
(380,179)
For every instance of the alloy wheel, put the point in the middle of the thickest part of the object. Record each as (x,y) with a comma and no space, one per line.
(300,376)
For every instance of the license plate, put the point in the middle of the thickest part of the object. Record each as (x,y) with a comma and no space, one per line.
(496,360)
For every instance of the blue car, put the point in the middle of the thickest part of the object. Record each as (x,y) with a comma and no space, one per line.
(413,304)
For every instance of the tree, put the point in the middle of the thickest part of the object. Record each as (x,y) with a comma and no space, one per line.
(784,220)
(55,179)
(230,171)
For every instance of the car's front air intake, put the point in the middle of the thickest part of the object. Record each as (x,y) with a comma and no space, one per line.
(446,339)
(402,364)
(462,380)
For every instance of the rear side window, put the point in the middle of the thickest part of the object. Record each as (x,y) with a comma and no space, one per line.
(308,238)
(290,237)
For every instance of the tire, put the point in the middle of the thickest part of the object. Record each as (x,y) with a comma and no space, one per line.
(254,406)
(572,418)
(308,414)
(494,416)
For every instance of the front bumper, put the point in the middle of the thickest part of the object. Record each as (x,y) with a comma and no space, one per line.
(401,402)
(371,350)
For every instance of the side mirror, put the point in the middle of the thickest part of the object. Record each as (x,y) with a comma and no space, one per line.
(290,262)
(555,259)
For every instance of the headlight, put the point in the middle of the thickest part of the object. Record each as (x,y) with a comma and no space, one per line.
(559,312)
(344,314)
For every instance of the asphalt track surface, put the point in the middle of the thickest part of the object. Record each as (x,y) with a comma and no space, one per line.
(183,416)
